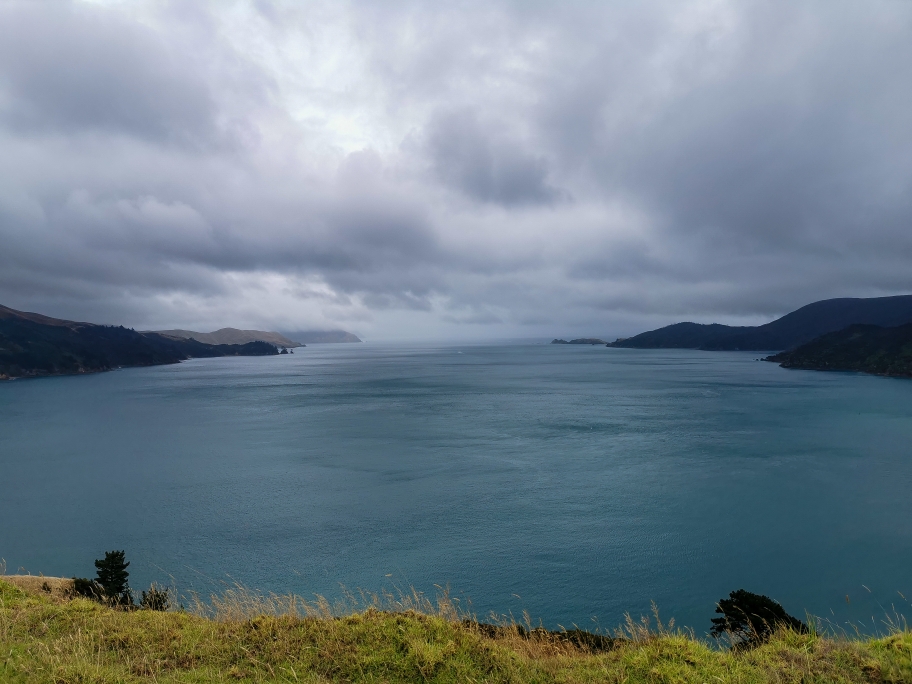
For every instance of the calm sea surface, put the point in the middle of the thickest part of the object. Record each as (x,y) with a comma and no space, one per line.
(572,482)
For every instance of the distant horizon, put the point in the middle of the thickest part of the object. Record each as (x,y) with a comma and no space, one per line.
(461,335)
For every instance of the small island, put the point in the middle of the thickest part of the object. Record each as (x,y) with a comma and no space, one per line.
(581,340)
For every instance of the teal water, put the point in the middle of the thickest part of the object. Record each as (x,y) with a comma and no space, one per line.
(572,482)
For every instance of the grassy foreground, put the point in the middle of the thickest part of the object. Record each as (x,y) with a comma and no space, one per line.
(43,639)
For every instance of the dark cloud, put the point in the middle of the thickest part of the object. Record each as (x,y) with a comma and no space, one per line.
(69,69)
(412,169)
(486,164)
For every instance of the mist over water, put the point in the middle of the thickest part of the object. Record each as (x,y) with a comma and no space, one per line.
(572,482)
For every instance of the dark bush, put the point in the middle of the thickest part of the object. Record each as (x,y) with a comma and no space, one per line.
(750,619)
(596,643)
(87,588)
(157,598)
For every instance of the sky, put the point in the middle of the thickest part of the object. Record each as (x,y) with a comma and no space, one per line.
(458,170)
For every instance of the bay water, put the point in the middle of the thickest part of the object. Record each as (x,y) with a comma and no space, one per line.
(573,482)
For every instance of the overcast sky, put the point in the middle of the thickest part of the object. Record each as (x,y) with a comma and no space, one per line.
(452,170)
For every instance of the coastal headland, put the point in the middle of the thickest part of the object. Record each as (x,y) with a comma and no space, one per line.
(34,345)
(789,331)
(863,335)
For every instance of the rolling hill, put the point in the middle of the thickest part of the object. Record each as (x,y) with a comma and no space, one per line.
(790,331)
(861,348)
(232,336)
(33,345)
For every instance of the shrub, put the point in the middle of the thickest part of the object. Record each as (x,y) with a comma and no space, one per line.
(87,588)
(750,619)
(157,598)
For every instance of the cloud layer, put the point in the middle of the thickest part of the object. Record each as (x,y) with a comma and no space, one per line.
(472,169)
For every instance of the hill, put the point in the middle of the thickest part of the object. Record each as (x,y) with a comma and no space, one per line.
(792,330)
(861,348)
(33,345)
(322,336)
(232,336)
(285,639)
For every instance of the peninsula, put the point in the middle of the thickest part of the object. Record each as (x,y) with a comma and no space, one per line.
(861,348)
(33,345)
(788,332)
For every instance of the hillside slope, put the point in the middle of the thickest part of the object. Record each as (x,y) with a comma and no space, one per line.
(44,640)
(34,345)
(792,330)
(861,348)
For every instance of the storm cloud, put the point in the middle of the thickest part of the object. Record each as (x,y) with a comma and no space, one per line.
(493,169)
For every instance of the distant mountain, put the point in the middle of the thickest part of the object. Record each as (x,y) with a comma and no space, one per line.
(861,348)
(790,331)
(232,336)
(581,340)
(34,345)
(322,336)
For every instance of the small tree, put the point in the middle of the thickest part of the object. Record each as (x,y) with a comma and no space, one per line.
(750,619)
(112,577)
(157,598)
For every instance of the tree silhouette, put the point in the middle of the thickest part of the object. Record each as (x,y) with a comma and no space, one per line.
(749,619)
(112,577)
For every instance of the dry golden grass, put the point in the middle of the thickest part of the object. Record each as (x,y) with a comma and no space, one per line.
(253,637)
(59,588)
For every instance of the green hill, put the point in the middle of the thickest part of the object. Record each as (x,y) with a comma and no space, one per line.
(861,348)
(33,345)
(46,640)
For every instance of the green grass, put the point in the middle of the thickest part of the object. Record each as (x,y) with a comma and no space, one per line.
(80,641)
